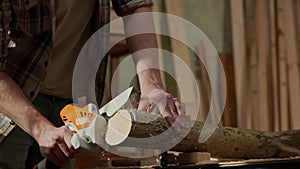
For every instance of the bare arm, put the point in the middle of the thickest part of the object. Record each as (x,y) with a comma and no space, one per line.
(140,42)
(150,80)
(15,105)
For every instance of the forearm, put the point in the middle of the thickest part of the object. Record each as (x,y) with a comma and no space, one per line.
(16,106)
(144,49)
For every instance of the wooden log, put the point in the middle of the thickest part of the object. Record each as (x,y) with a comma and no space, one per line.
(226,142)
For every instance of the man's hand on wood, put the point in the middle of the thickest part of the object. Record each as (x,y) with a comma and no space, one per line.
(169,107)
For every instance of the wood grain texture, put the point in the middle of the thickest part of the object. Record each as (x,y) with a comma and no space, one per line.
(292,62)
(239,54)
(224,142)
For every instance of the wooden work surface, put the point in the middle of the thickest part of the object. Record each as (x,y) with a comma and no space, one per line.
(272,163)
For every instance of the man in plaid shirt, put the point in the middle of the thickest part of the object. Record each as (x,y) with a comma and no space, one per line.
(38,39)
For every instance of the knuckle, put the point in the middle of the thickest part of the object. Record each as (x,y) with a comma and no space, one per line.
(56,139)
(168,96)
(65,129)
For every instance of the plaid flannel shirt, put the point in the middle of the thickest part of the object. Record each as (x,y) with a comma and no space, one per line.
(26,30)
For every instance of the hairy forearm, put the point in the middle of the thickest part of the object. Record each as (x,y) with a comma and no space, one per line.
(145,56)
(142,43)
(16,106)
(143,48)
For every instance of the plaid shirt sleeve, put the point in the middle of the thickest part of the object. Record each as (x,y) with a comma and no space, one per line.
(123,6)
(6,125)
(5,16)
(25,62)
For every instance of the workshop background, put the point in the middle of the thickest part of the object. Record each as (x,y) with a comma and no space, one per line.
(258,44)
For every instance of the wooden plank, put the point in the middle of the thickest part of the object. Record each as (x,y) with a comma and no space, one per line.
(293,63)
(283,92)
(188,158)
(274,95)
(229,115)
(263,116)
(297,15)
(253,91)
(157,8)
(251,39)
(204,85)
(174,7)
(239,54)
(166,63)
(251,35)
(164,43)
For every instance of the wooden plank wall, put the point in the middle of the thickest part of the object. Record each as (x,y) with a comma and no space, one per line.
(239,56)
(266,73)
(266,46)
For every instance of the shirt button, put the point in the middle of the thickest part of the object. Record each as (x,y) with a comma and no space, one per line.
(11,44)
(12,123)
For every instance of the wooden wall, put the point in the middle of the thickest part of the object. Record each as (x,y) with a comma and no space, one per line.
(266,61)
(258,43)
